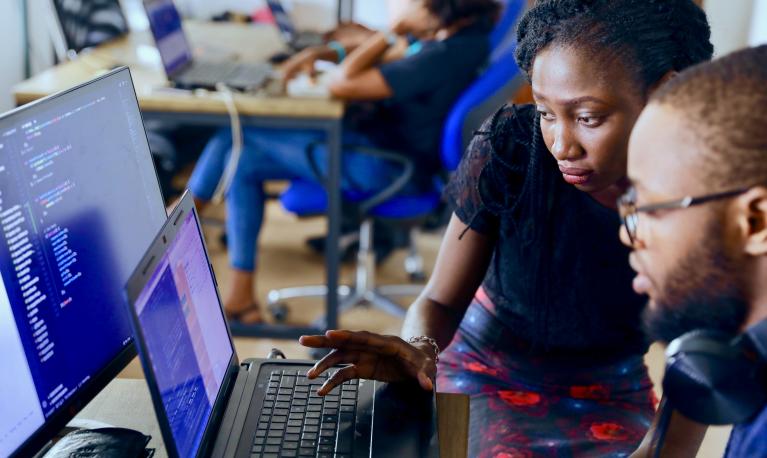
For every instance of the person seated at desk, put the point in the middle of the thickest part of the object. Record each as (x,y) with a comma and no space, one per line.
(703,262)
(531,294)
(414,94)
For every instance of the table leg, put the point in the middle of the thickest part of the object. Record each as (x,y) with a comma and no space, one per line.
(333,222)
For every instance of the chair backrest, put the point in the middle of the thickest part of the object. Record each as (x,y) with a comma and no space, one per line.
(88,23)
(496,85)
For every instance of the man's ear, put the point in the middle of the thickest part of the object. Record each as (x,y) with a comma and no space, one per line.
(663,80)
(752,220)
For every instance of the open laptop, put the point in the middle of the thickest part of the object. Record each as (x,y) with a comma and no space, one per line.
(181,67)
(297,40)
(208,403)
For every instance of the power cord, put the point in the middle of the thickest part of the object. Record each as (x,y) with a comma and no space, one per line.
(222,189)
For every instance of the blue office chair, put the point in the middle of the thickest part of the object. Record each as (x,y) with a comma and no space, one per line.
(497,83)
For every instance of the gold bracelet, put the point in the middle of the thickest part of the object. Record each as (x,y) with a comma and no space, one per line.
(429,341)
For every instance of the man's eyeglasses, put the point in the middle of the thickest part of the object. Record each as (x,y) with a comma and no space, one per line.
(630,212)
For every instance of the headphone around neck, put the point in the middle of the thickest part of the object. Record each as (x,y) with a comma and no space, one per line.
(716,380)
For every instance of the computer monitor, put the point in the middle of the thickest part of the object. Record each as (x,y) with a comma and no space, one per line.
(79,204)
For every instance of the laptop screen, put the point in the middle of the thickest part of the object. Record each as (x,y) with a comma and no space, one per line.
(165,22)
(185,336)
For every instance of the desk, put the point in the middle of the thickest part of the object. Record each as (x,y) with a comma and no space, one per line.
(126,403)
(265,109)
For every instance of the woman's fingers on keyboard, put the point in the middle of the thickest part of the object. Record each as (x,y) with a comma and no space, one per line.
(333,358)
(338,377)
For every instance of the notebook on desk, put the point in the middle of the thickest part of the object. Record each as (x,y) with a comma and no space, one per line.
(208,403)
(182,69)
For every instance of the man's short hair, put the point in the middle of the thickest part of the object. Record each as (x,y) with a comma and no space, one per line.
(724,104)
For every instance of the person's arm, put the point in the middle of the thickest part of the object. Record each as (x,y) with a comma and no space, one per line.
(459,271)
(460,268)
(358,79)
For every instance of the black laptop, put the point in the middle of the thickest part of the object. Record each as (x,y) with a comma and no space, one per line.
(208,403)
(297,40)
(186,72)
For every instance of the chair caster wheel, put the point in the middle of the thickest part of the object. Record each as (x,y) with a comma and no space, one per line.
(417,277)
(279,312)
(318,353)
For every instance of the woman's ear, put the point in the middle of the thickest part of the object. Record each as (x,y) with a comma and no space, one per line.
(664,79)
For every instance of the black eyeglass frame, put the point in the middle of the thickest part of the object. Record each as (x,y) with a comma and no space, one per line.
(629,212)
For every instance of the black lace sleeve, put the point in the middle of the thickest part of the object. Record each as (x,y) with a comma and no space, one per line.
(491,174)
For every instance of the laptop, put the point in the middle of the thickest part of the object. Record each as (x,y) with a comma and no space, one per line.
(186,72)
(297,40)
(208,403)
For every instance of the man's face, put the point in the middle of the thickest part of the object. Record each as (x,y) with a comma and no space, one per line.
(682,258)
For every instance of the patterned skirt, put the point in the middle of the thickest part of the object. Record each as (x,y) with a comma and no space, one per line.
(527,406)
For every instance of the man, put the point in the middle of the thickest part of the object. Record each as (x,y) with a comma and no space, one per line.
(703,263)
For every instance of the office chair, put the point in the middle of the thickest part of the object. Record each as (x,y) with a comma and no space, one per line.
(497,83)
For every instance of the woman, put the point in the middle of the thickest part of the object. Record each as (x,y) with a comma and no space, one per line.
(532,288)
(414,87)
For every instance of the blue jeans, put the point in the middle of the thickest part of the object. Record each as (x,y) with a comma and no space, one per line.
(276,154)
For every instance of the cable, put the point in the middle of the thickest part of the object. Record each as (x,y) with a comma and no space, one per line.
(237,141)
(659,436)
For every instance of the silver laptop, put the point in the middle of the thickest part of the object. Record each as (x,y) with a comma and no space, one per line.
(208,403)
(185,71)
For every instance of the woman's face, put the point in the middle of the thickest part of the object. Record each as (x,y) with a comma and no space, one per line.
(587,111)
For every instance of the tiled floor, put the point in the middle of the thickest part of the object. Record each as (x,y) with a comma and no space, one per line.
(286,261)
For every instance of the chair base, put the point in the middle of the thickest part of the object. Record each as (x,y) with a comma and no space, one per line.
(364,292)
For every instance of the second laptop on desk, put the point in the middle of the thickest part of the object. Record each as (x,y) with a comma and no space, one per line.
(180,66)
(209,403)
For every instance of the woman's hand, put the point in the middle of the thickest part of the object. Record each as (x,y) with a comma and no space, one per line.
(371,356)
(302,62)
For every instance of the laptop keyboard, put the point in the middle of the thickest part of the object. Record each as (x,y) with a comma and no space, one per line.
(295,422)
(229,72)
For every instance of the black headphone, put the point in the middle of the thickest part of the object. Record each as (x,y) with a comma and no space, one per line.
(716,380)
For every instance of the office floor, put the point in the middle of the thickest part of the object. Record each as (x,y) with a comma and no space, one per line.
(287,261)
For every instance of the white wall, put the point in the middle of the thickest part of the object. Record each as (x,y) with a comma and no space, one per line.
(11,54)
(730,23)
(758,34)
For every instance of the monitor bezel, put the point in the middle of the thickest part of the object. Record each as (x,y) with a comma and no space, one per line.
(53,424)
(135,285)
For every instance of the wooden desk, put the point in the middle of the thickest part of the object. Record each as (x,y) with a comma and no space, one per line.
(211,41)
(266,108)
(126,403)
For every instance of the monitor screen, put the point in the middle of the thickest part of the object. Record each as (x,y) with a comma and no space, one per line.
(165,22)
(185,340)
(79,204)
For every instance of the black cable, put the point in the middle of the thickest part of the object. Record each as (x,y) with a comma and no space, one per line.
(659,436)
(26,39)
